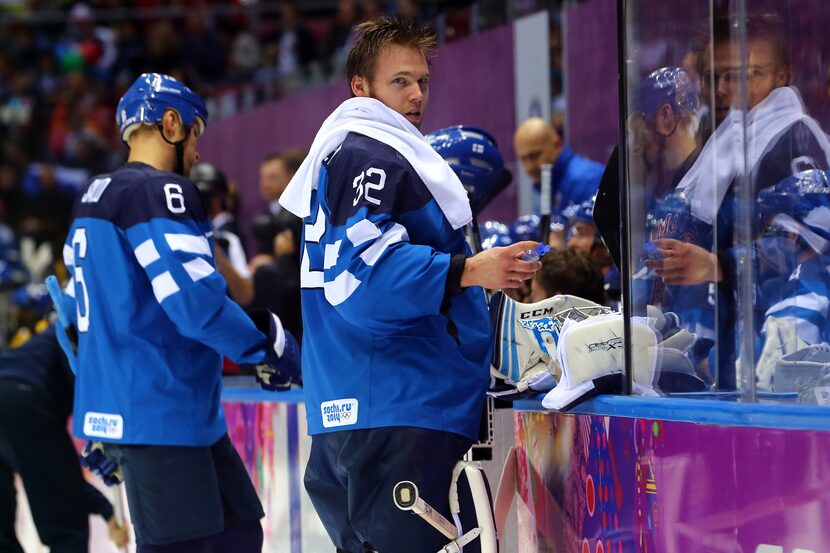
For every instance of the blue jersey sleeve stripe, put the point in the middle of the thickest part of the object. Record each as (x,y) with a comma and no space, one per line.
(198,268)
(188,243)
(164,286)
(395,234)
(146,253)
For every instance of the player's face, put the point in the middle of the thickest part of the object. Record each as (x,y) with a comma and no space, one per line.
(721,71)
(191,154)
(764,74)
(273,178)
(401,82)
(535,151)
(581,236)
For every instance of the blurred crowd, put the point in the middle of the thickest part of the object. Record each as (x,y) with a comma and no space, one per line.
(64,65)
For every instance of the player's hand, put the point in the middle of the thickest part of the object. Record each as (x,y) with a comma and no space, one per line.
(281,365)
(93,458)
(119,535)
(498,268)
(684,263)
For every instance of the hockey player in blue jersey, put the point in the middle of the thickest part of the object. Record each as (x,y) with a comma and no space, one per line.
(792,260)
(397,340)
(153,321)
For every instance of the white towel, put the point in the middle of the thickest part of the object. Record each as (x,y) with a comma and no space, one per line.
(372,118)
(722,158)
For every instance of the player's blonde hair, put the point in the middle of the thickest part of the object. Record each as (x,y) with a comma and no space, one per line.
(372,36)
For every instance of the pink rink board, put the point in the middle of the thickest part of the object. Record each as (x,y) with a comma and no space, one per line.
(599,484)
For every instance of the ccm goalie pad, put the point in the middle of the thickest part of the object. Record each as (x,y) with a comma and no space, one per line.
(525,342)
(473,528)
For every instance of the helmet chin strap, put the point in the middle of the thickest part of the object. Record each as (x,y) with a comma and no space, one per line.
(179,145)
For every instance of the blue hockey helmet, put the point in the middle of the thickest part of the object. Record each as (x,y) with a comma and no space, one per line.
(667,85)
(474,156)
(494,234)
(579,213)
(798,205)
(583,211)
(525,227)
(148,97)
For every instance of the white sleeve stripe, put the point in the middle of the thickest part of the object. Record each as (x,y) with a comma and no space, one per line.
(164,286)
(362,231)
(309,278)
(314,232)
(68,256)
(198,269)
(279,341)
(396,234)
(340,288)
(331,255)
(146,253)
(69,290)
(189,243)
(812,301)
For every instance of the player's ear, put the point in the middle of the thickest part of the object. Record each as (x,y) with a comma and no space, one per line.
(360,86)
(169,123)
(665,120)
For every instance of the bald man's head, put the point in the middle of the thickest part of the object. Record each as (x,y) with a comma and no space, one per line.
(536,144)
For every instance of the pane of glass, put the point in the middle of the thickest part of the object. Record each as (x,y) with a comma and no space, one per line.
(729,204)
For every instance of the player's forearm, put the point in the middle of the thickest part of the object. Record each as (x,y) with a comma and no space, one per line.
(240,289)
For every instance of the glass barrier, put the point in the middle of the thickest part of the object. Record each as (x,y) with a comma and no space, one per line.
(725,163)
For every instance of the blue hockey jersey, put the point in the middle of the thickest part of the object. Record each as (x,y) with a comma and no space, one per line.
(152,315)
(377,351)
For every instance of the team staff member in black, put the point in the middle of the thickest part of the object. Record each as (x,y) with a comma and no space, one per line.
(36,387)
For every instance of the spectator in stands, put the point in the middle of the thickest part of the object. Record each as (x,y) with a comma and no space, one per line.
(294,48)
(46,212)
(574,180)
(11,195)
(206,56)
(339,40)
(96,44)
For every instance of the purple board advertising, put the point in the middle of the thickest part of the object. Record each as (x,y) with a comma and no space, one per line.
(598,484)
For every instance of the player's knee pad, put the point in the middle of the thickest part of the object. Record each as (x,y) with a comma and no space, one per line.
(472,507)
